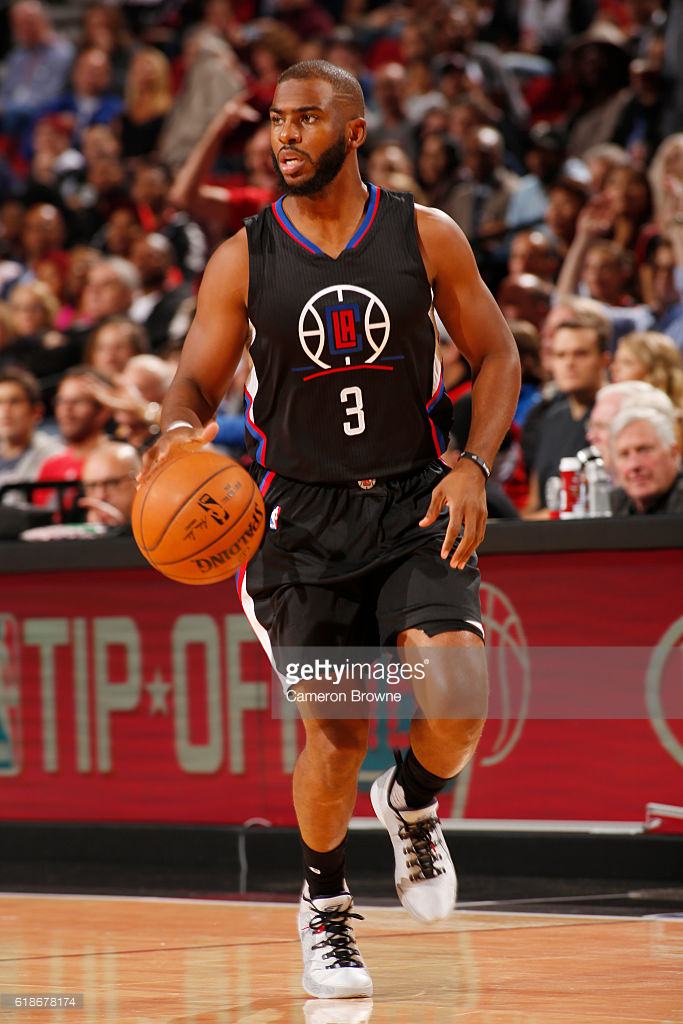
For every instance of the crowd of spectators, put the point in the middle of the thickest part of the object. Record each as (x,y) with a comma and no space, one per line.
(134,142)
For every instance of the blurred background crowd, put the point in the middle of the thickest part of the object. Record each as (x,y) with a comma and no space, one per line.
(134,138)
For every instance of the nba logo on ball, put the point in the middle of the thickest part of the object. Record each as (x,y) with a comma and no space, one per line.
(342,322)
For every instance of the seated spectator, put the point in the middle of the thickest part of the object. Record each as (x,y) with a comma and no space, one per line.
(149,98)
(545,158)
(647,462)
(390,167)
(599,60)
(609,402)
(150,193)
(661,282)
(580,357)
(437,165)
(104,28)
(81,259)
(387,115)
(525,297)
(42,234)
(111,284)
(601,159)
(12,215)
(122,230)
(607,271)
(629,196)
(532,252)
(604,270)
(89,99)
(639,128)
(36,345)
(566,199)
(36,66)
(81,420)
(652,357)
(528,343)
(158,302)
(111,345)
(108,481)
(23,448)
(479,203)
(91,195)
(54,156)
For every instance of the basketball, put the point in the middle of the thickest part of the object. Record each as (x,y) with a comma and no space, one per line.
(198,518)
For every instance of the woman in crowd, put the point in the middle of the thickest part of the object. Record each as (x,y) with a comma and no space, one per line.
(148,98)
(111,345)
(652,357)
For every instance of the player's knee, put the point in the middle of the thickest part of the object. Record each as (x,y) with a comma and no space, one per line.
(336,745)
(460,733)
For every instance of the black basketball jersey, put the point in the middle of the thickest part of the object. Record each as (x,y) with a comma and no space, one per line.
(346,381)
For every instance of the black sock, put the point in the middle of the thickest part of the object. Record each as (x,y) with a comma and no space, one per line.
(419,785)
(324,871)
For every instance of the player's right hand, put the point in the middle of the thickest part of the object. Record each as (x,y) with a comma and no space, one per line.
(172,442)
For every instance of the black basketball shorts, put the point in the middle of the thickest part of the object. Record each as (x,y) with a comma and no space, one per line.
(349,566)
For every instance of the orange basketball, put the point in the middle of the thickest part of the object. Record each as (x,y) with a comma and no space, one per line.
(198,517)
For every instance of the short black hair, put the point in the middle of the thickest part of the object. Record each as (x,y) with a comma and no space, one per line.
(346,86)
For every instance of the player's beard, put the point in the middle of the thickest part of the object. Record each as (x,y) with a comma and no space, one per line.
(327,168)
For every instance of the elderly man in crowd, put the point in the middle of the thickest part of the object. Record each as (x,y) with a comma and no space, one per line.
(647,461)
(609,402)
(108,480)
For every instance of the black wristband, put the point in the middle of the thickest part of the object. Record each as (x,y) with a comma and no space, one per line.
(479,461)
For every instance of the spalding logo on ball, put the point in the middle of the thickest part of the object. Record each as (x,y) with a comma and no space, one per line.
(198,518)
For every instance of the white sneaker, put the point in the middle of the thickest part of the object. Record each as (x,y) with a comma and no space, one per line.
(425,877)
(333,967)
(337,1011)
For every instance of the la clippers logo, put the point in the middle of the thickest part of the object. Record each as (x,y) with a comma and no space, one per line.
(10,732)
(344,327)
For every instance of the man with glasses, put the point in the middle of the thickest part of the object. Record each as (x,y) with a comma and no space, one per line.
(108,480)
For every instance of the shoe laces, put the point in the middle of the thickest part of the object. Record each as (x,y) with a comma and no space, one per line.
(422,851)
(336,926)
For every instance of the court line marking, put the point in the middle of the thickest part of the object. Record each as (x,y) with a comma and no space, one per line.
(284,942)
(461,908)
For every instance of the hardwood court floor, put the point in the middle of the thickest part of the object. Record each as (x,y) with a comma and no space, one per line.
(148,961)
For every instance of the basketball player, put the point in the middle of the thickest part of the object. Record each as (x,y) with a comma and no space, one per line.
(371,537)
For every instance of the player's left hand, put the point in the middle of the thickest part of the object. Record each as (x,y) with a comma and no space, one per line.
(463,491)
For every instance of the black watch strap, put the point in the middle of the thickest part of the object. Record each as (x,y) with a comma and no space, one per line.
(479,461)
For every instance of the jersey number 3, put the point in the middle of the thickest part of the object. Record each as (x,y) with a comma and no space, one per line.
(355,422)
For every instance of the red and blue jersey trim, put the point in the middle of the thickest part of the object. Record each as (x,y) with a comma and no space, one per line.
(368,219)
(362,230)
(255,431)
(263,488)
(437,436)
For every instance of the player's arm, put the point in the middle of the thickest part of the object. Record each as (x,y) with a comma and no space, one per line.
(211,352)
(479,330)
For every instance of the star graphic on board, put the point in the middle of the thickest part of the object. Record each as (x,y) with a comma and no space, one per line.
(158,694)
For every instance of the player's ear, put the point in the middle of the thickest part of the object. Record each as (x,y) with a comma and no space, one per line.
(356,132)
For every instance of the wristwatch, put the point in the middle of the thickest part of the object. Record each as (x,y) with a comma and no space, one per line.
(473,457)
